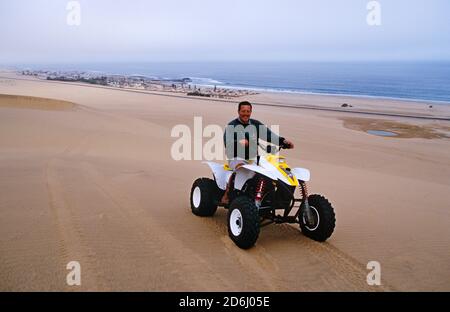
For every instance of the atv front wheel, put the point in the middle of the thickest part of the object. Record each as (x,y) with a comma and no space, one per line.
(323,219)
(243,222)
(204,194)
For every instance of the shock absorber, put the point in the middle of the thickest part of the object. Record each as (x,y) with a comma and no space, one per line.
(304,190)
(259,192)
(307,208)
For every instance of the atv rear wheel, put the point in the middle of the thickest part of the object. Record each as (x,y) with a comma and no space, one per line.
(204,195)
(243,222)
(324,220)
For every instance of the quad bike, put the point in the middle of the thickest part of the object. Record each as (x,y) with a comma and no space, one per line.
(260,190)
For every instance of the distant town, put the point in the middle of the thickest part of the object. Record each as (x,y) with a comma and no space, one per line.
(136,82)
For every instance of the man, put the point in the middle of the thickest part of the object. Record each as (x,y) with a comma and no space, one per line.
(241,139)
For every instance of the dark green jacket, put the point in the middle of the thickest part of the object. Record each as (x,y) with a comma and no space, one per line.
(253,132)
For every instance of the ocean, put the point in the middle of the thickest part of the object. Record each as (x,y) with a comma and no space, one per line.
(428,81)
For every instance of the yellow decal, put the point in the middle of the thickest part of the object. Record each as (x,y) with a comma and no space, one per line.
(280,163)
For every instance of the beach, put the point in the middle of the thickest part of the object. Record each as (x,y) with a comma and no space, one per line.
(87,175)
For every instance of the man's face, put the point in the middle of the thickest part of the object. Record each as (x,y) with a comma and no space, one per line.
(244,113)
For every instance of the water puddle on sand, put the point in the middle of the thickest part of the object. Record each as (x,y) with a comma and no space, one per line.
(397,129)
(382,133)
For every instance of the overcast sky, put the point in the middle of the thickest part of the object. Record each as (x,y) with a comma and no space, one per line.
(36,31)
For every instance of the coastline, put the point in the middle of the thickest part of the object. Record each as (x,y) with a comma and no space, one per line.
(366,105)
(419,82)
(299,92)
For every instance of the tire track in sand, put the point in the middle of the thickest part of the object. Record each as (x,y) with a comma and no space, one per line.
(184,262)
(338,269)
(70,240)
(258,261)
(261,268)
(345,269)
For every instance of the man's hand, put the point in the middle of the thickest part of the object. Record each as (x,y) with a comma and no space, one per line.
(244,142)
(288,144)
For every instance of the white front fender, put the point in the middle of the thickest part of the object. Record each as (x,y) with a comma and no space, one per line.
(301,174)
(261,170)
(246,172)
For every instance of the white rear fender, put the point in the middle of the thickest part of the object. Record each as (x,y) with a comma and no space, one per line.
(242,176)
(222,176)
(301,174)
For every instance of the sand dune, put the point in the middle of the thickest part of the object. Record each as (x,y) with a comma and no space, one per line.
(96,184)
(31,102)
